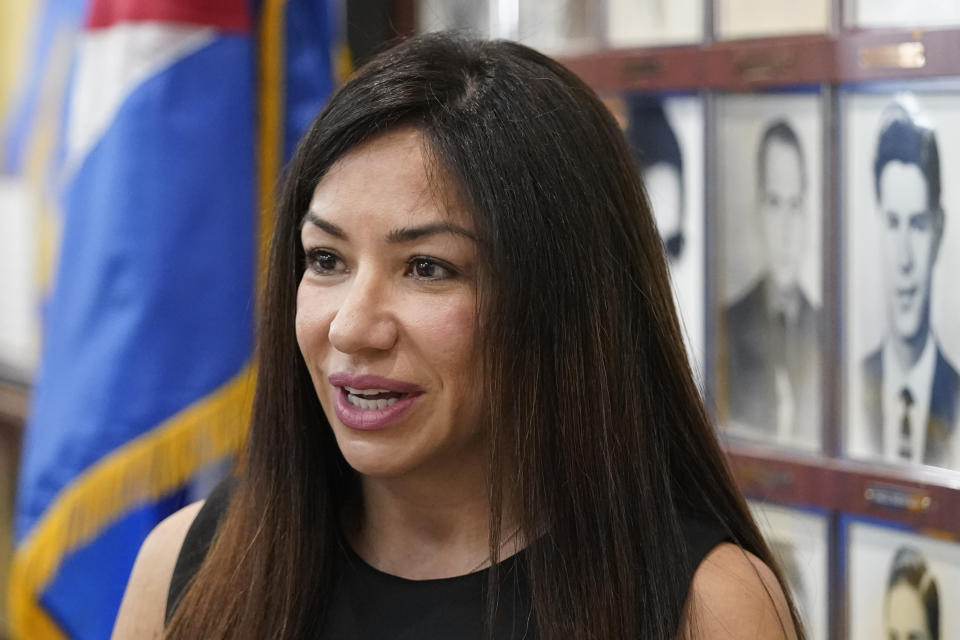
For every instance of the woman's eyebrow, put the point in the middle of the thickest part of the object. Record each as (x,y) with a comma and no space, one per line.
(409,234)
(397,236)
(329,227)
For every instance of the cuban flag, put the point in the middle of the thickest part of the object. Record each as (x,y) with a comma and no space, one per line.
(179,116)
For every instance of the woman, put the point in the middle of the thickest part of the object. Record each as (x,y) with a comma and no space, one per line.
(912,607)
(474,414)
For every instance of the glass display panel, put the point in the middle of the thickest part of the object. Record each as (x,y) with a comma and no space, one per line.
(897,13)
(666,133)
(901,262)
(559,27)
(762,18)
(645,23)
(799,541)
(901,585)
(470,16)
(769,162)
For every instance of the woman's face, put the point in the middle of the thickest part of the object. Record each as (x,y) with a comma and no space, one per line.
(386,311)
(906,619)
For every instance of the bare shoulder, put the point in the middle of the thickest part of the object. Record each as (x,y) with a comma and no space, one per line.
(144,602)
(735,595)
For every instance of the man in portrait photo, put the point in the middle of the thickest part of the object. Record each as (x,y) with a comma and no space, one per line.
(911,392)
(772,331)
(658,155)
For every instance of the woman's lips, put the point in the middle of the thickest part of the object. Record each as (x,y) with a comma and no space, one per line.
(368,381)
(403,395)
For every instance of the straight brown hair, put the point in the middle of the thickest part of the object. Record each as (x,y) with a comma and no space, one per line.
(594,420)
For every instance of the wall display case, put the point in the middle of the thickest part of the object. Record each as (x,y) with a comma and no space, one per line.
(769,215)
(901,258)
(896,13)
(666,132)
(900,584)
(799,540)
(645,23)
(736,19)
(858,81)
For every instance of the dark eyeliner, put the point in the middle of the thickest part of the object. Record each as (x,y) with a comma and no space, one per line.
(453,271)
(314,254)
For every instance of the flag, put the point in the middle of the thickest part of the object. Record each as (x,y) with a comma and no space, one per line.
(179,115)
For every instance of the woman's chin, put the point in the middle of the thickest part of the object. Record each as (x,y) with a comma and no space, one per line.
(375,460)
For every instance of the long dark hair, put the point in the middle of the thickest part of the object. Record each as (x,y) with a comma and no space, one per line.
(594,421)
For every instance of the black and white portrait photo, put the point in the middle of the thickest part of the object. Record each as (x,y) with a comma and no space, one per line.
(896,13)
(799,542)
(556,27)
(911,609)
(901,585)
(645,23)
(469,16)
(769,205)
(903,385)
(760,18)
(666,134)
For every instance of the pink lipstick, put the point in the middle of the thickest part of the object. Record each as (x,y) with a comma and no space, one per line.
(369,402)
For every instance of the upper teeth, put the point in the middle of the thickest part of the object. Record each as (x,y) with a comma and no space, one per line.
(365,392)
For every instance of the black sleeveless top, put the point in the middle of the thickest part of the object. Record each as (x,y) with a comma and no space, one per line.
(369,604)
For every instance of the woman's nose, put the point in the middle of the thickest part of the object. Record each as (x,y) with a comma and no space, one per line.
(364,321)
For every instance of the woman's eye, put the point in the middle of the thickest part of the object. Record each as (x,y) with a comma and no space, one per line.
(429,269)
(323,262)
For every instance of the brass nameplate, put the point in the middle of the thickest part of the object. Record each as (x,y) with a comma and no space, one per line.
(906,55)
(758,477)
(901,498)
(756,67)
(646,67)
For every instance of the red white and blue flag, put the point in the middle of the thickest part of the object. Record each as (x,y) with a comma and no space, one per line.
(179,114)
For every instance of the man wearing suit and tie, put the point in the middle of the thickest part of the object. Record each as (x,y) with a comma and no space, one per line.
(911,392)
(772,332)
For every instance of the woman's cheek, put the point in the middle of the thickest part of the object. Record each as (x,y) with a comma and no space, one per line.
(309,322)
(450,335)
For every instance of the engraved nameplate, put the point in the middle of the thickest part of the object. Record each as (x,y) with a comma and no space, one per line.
(906,55)
(762,66)
(647,67)
(902,498)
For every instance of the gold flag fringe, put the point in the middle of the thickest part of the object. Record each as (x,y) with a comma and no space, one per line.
(271,72)
(141,471)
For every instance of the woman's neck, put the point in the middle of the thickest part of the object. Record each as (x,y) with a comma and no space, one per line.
(428,525)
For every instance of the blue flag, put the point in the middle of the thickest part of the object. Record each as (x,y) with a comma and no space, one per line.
(179,115)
